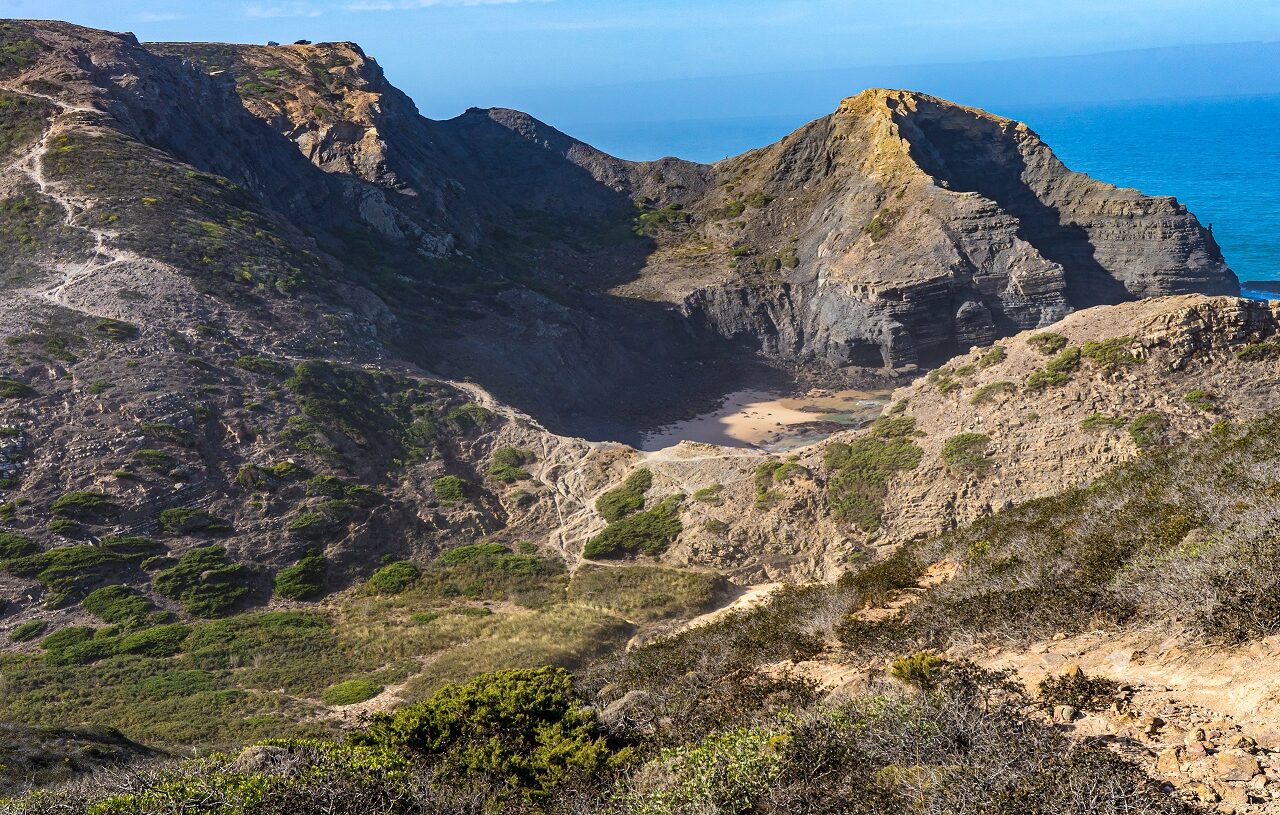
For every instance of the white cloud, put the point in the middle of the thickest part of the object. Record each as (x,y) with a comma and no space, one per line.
(297,9)
(401,5)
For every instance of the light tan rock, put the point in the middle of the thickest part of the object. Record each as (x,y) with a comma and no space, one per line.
(1235,765)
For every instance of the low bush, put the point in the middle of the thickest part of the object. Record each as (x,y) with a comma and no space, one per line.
(649,532)
(507,465)
(190,520)
(1056,372)
(967,453)
(1258,351)
(28,631)
(860,471)
(13,389)
(921,670)
(1081,692)
(449,488)
(393,578)
(13,545)
(991,390)
(204,581)
(1202,400)
(117,604)
(351,692)
(1047,343)
(263,365)
(1110,354)
(304,580)
(626,499)
(82,505)
(1147,429)
(709,495)
(992,357)
(158,641)
(1101,421)
(526,729)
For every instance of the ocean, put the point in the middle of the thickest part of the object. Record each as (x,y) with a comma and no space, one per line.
(1220,157)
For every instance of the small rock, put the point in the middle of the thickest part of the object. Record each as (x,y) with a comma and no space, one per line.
(1064,713)
(1071,670)
(266,759)
(1236,765)
(1195,734)
(1168,762)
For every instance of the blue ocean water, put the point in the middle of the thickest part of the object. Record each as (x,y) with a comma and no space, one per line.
(1221,157)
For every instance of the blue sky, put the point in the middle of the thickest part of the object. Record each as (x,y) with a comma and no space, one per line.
(449,54)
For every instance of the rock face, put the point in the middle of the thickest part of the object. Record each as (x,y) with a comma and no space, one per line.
(901,229)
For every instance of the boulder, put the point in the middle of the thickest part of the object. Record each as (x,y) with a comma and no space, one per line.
(1234,764)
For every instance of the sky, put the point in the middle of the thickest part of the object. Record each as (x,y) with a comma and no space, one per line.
(569,60)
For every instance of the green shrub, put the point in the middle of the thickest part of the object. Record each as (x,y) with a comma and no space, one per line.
(1047,343)
(351,692)
(449,488)
(262,365)
(82,504)
(116,330)
(526,728)
(507,465)
(991,390)
(992,357)
(622,501)
(1250,352)
(918,669)
(1082,692)
(188,520)
(1202,400)
(13,545)
(966,453)
(28,631)
(1111,354)
(709,495)
(1056,372)
(68,572)
(1147,429)
(649,532)
(13,389)
(304,580)
(860,470)
(158,641)
(204,581)
(156,460)
(1100,421)
(393,578)
(117,604)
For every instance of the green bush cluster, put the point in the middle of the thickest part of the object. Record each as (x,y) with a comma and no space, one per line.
(82,505)
(649,532)
(13,545)
(1047,343)
(450,488)
(156,460)
(526,729)
(351,692)
(262,365)
(204,581)
(622,501)
(1258,351)
(116,330)
(80,645)
(1202,399)
(13,389)
(1147,429)
(28,631)
(393,578)
(1056,372)
(507,464)
(70,572)
(859,471)
(119,604)
(304,580)
(967,453)
(1110,354)
(991,390)
(992,357)
(709,495)
(1101,421)
(191,520)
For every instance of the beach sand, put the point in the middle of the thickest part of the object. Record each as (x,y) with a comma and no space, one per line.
(772,421)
